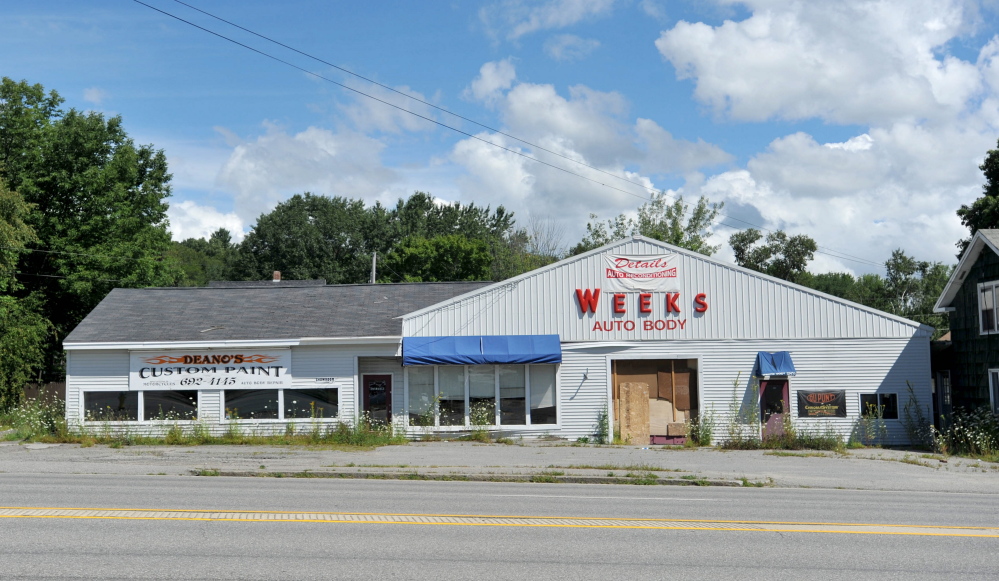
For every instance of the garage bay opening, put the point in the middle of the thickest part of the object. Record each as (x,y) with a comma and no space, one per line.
(654,399)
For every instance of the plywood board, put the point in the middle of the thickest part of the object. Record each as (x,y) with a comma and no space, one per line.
(660,415)
(676,429)
(635,412)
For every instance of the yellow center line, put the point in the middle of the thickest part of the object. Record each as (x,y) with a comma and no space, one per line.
(490,520)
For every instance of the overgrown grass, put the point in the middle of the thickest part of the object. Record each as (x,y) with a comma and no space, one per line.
(40,421)
(791,438)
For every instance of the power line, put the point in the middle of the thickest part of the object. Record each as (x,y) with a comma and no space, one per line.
(19,273)
(828,251)
(73,253)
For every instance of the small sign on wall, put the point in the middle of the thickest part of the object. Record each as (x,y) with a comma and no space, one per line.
(182,369)
(822,404)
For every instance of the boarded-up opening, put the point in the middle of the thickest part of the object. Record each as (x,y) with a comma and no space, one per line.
(672,396)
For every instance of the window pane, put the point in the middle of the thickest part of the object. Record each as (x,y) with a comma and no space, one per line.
(421,395)
(987,305)
(481,395)
(451,380)
(251,404)
(513,393)
(311,403)
(170,405)
(543,394)
(869,405)
(889,402)
(111,406)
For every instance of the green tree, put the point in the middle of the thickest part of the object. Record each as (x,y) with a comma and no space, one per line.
(200,261)
(661,219)
(983,213)
(451,257)
(913,286)
(309,237)
(99,211)
(779,255)
(24,332)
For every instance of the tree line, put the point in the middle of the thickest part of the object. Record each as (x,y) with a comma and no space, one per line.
(83,211)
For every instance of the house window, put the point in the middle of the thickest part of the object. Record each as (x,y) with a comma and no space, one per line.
(994,390)
(482,395)
(987,307)
(879,405)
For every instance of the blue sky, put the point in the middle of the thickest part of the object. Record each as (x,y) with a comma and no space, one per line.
(859,123)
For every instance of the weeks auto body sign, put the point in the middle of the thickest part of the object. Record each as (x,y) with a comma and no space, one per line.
(657,272)
(235,369)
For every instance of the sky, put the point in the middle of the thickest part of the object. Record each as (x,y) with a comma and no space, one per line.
(859,123)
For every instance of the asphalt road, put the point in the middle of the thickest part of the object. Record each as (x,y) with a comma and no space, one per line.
(120,546)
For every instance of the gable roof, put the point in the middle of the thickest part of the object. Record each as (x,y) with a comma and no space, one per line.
(271,312)
(673,249)
(982,240)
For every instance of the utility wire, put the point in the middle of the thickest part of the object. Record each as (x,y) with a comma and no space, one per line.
(73,253)
(828,251)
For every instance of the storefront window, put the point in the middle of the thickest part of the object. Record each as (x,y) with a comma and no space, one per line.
(543,394)
(519,385)
(251,404)
(451,387)
(482,395)
(111,406)
(421,396)
(513,393)
(169,405)
(311,403)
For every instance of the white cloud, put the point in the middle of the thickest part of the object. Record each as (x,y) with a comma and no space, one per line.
(587,126)
(95,95)
(666,154)
(520,17)
(494,78)
(654,9)
(276,165)
(369,115)
(569,47)
(190,220)
(854,61)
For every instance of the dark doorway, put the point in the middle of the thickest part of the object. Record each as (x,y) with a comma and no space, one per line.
(774,398)
(376,397)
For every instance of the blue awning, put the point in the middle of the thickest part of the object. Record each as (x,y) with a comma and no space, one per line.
(778,363)
(480,350)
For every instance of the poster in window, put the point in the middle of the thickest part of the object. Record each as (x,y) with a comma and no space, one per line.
(829,403)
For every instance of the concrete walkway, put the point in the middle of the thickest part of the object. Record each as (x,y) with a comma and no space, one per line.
(868,469)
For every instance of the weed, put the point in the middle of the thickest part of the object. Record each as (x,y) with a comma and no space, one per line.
(647,478)
(601,434)
(208,472)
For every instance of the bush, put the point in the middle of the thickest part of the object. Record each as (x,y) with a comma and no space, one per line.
(974,433)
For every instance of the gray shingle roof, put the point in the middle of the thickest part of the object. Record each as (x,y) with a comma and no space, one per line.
(269,283)
(259,312)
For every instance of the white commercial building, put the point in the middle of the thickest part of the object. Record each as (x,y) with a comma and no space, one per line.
(637,334)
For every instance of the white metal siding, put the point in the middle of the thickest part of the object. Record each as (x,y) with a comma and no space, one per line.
(93,371)
(855,365)
(742,305)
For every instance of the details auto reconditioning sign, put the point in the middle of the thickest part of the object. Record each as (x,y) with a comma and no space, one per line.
(658,272)
(244,369)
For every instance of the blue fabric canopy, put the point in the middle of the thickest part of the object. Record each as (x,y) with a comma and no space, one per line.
(479,350)
(778,363)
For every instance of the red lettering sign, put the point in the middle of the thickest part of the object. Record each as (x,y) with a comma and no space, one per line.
(645,303)
(672,302)
(701,301)
(588,300)
(618,303)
